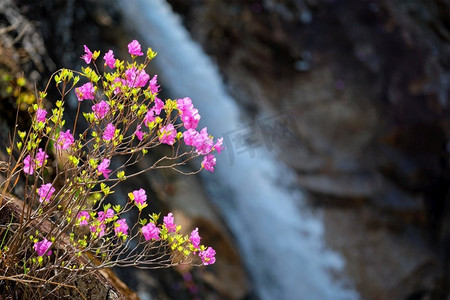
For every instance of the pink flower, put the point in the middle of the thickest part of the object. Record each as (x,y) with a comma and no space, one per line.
(83,218)
(209,162)
(208,256)
(109,132)
(136,78)
(149,117)
(169,222)
(41,157)
(159,105)
(168,134)
(184,104)
(40,115)
(190,137)
(102,216)
(195,238)
(204,142)
(153,85)
(134,48)
(190,118)
(65,140)
(28,165)
(103,167)
(139,133)
(109,59)
(121,227)
(100,109)
(98,229)
(86,91)
(139,196)
(88,56)
(218,145)
(42,247)
(45,192)
(150,231)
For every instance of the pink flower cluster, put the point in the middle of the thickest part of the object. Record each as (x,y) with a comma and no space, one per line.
(100,109)
(169,223)
(121,227)
(88,55)
(98,226)
(102,168)
(42,247)
(150,231)
(109,132)
(83,218)
(140,198)
(40,115)
(134,48)
(65,140)
(110,61)
(85,92)
(167,134)
(204,145)
(154,111)
(136,78)
(30,164)
(45,192)
(189,115)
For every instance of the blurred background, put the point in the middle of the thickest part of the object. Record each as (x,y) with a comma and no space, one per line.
(336,119)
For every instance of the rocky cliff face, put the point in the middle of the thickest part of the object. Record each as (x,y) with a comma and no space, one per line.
(366,85)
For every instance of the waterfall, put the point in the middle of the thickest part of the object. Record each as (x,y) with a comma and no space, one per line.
(280,239)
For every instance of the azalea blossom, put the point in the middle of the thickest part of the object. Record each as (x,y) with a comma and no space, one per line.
(65,140)
(168,134)
(208,162)
(28,165)
(139,134)
(103,167)
(98,229)
(41,157)
(85,92)
(121,227)
(102,216)
(88,56)
(153,85)
(109,132)
(40,115)
(139,196)
(134,48)
(150,231)
(100,109)
(195,238)
(169,222)
(136,78)
(42,247)
(208,256)
(83,218)
(109,59)
(45,192)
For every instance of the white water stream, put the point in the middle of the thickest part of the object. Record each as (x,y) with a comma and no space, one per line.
(280,240)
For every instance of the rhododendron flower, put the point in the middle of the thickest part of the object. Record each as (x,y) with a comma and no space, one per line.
(195,238)
(102,216)
(100,109)
(42,247)
(139,196)
(136,78)
(40,115)
(41,157)
(218,145)
(88,56)
(121,227)
(103,167)
(169,222)
(134,48)
(109,59)
(65,140)
(168,134)
(86,91)
(208,256)
(184,104)
(203,142)
(98,229)
(28,165)
(190,118)
(83,218)
(153,85)
(139,134)
(208,162)
(109,132)
(45,192)
(150,231)
(159,105)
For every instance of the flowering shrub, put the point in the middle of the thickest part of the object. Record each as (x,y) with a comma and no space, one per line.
(68,176)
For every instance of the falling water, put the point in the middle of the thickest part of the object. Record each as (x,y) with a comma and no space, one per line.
(280,240)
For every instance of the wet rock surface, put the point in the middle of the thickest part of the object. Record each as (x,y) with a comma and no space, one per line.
(366,83)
